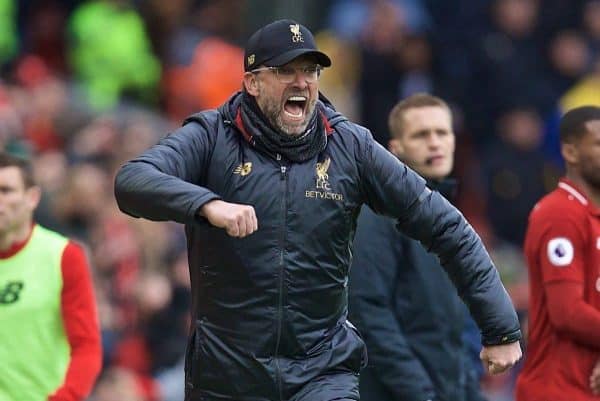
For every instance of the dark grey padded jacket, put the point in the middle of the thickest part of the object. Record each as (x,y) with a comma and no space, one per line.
(270,310)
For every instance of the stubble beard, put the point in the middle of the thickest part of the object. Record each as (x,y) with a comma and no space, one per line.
(274,113)
(592,177)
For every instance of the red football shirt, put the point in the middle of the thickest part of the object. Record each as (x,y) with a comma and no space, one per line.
(562,247)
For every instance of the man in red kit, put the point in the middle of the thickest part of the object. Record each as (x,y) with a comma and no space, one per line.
(562,247)
(49,333)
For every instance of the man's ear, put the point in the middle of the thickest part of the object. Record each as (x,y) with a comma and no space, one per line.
(569,153)
(251,83)
(395,146)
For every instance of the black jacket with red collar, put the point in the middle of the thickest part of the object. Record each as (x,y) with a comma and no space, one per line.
(270,309)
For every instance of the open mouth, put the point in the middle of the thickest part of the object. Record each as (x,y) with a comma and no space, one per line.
(434,160)
(295,106)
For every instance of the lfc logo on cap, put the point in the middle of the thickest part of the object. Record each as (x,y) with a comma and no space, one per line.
(296,34)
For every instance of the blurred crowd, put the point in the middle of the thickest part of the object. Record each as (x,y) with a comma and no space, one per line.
(86,85)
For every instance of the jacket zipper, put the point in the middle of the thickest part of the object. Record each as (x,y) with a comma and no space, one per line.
(283,171)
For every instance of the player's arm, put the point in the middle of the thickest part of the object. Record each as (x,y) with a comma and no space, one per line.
(81,325)
(371,297)
(562,263)
(571,315)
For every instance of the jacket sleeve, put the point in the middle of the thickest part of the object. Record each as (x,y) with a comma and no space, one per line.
(393,189)
(164,182)
(371,294)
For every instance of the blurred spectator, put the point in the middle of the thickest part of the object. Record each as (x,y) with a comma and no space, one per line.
(44,32)
(340,82)
(138,129)
(170,384)
(558,15)
(591,25)
(213,74)
(382,36)
(50,172)
(347,17)
(163,18)
(96,142)
(415,59)
(203,67)
(110,53)
(215,18)
(8,21)
(586,91)
(153,344)
(569,58)
(395,63)
(82,201)
(454,25)
(48,100)
(515,172)
(509,58)
(118,384)
(11,125)
(45,103)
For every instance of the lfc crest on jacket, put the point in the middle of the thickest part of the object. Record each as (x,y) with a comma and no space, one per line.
(322,176)
(322,185)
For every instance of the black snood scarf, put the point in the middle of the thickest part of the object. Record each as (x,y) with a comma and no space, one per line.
(294,148)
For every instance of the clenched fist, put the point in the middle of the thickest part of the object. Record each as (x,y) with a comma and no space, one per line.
(499,358)
(238,220)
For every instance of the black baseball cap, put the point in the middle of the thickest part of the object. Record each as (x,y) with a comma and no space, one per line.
(280,42)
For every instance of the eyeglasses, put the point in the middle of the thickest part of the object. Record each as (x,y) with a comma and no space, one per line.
(287,75)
